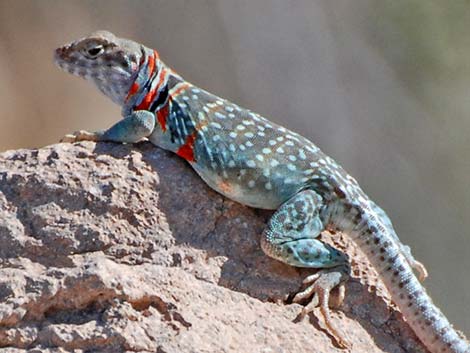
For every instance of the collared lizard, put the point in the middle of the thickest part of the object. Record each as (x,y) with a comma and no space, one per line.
(260,164)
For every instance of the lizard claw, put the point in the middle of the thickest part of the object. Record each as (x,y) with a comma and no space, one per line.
(318,291)
(80,135)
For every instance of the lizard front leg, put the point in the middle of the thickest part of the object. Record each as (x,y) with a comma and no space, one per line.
(132,128)
(291,238)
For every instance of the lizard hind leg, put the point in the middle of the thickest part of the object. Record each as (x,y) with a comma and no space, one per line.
(290,237)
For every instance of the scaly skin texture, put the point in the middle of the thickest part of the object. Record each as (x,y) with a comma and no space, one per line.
(260,164)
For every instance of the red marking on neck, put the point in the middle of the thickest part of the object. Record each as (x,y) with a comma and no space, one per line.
(162,116)
(149,97)
(152,64)
(134,88)
(187,150)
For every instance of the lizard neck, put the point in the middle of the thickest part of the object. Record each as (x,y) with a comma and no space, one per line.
(160,90)
(151,84)
(155,88)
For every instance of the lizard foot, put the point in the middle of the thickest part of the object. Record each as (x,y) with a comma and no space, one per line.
(416,265)
(422,272)
(319,286)
(81,135)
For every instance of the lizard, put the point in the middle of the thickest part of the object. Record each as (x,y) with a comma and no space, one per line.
(260,164)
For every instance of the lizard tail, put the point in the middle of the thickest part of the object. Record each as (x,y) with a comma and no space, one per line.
(381,246)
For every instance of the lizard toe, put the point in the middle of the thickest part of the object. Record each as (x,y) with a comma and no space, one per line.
(318,291)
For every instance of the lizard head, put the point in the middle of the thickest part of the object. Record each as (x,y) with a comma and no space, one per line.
(111,63)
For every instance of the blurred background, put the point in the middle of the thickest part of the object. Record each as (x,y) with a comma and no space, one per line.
(381,86)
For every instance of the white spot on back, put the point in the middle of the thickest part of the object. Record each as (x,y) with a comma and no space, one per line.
(233,134)
(219,115)
(231,163)
(251,184)
(216,125)
(291,167)
(240,127)
(266,150)
(280,150)
(274,163)
(259,157)
(250,163)
(268,186)
(292,158)
(313,149)
(272,142)
(249,134)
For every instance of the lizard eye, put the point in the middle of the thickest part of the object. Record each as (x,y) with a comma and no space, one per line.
(94,52)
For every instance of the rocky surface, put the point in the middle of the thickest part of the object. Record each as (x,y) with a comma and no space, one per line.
(122,248)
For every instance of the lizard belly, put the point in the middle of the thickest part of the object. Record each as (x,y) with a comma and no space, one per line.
(251,189)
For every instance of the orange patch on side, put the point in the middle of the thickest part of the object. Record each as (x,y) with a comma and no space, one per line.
(225,187)
(187,150)
(162,116)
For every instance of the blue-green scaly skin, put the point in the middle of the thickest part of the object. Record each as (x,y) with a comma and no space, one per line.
(260,164)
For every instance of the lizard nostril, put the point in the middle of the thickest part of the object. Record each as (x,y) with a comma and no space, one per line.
(61,53)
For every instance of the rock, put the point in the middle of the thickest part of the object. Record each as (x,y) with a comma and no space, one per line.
(122,248)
